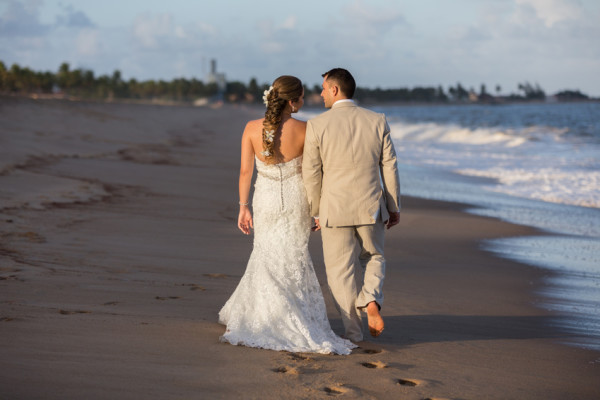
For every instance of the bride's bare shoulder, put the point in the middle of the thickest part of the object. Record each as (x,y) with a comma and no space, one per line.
(254,126)
(300,123)
(256,122)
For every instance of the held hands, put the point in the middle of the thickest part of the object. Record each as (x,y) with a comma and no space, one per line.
(245,220)
(316,226)
(394,219)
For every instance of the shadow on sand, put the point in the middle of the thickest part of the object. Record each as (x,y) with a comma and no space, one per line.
(414,329)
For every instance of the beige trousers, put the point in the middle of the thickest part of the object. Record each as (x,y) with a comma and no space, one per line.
(344,248)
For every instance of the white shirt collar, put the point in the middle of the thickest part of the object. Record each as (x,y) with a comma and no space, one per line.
(343,101)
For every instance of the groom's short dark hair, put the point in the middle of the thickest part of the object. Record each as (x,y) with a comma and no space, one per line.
(344,80)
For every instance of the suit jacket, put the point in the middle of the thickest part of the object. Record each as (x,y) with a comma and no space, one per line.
(349,167)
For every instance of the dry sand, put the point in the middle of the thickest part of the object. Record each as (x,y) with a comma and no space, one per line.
(118,247)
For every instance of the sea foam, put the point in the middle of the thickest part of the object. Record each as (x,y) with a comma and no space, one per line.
(537,162)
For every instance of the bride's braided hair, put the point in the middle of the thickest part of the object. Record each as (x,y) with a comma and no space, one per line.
(285,88)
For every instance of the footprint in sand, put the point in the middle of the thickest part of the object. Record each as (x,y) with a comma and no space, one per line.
(299,357)
(192,286)
(343,389)
(374,365)
(334,390)
(71,312)
(216,276)
(167,298)
(32,237)
(372,351)
(286,370)
(409,382)
(8,269)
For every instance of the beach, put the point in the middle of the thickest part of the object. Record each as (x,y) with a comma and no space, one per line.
(119,245)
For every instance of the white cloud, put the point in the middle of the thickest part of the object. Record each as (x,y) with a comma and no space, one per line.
(470,33)
(289,23)
(88,42)
(73,18)
(149,30)
(367,26)
(180,32)
(365,14)
(205,28)
(272,47)
(22,19)
(362,36)
(553,11)
(274,39)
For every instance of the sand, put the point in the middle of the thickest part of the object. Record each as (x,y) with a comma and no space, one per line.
(118,247)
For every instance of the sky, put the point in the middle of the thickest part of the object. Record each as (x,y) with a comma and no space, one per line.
(384,43)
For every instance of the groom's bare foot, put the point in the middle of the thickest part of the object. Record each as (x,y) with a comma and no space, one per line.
(375,321)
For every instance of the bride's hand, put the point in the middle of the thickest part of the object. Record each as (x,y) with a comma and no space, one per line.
(316,226)
(245,220)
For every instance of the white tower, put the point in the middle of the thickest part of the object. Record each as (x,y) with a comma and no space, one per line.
(216,77)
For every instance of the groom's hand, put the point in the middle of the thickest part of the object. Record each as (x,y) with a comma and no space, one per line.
(316,226)
(394,219)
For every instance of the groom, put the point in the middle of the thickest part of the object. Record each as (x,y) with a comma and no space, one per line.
(351,178)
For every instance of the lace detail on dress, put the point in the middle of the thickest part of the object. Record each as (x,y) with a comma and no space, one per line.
(278,303)
(280,173)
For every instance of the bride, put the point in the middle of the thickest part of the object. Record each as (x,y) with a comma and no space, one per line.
(278,303)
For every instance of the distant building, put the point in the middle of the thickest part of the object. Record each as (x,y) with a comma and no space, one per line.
(473,96)
(216,77)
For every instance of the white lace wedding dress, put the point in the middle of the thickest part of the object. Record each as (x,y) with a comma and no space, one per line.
(278,303)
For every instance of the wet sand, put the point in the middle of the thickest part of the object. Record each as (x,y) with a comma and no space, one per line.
(118,247)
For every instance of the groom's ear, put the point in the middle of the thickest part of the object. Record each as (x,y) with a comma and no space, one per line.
(335,89)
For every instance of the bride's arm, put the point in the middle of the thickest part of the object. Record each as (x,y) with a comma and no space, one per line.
(246,170)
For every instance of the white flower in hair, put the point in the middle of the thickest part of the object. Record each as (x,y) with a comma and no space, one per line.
(266,153)
(266,95)
(270,135)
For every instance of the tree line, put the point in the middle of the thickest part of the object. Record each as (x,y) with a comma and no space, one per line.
(84,84)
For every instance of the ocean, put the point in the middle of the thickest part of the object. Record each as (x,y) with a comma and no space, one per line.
(532,164)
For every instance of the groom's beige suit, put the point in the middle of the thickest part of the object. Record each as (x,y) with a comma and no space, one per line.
(351,178)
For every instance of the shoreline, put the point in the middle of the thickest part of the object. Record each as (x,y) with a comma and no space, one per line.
(116,297)
(309,105)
